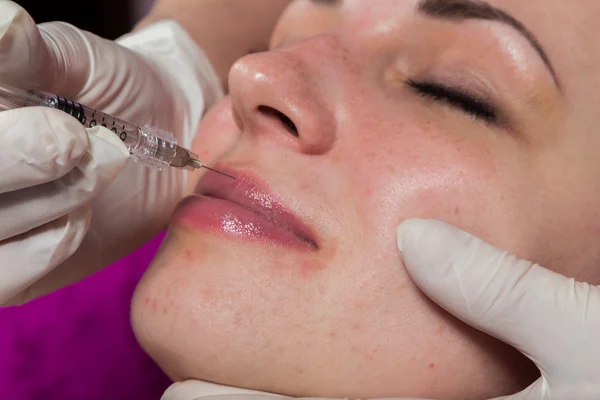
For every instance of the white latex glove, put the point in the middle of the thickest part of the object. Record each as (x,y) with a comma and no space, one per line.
(68,205)
(553,320)
(193,389)
(200,390)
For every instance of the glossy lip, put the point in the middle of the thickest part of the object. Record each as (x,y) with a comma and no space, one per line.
(253,195)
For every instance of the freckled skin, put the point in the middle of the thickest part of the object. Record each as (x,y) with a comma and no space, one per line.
(345,320)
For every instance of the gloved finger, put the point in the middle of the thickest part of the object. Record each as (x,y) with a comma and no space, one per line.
(25,209)
(194,389)
(58,57)
(39,145)
(543,314)
(33,58)
(278,397)
(82,71)
(248,397)
(21,45)
(24,56)
(28,257)
(537,390)
(200,390)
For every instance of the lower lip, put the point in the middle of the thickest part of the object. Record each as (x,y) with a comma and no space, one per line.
(223,216)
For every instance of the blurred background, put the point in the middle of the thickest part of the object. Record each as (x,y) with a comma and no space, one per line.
(107,18)
(77,343)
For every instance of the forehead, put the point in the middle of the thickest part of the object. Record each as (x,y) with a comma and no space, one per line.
(566,29)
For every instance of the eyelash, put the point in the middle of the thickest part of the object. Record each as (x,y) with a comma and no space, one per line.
(458,98)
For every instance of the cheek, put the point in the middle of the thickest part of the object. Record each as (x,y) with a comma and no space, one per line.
(437,176)
(442,182)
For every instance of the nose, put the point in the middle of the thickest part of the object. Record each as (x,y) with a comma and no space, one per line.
(280,94)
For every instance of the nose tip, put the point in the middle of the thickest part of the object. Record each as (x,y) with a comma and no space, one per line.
(279,93)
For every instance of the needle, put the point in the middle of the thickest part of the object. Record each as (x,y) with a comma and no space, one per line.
(218,172)
(197,164)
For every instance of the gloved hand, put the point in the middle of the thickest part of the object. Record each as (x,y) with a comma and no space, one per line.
(194,389)
(69,203)
(553,320)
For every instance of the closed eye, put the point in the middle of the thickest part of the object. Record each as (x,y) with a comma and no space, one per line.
(458,98)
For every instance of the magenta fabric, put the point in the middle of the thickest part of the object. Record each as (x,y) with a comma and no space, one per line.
(78,344)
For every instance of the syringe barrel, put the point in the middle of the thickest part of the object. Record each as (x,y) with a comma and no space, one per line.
(147,145)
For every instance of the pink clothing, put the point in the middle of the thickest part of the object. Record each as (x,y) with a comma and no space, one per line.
(77,343)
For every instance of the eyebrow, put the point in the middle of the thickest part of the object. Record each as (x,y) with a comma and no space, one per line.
(458,10)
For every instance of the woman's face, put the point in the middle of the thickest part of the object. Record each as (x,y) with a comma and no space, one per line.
(363,114)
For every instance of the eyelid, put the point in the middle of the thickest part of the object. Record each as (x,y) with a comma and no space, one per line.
(462,99)
(471,82)
(465,80)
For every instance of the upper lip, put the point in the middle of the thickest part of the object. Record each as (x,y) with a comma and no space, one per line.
(250,192)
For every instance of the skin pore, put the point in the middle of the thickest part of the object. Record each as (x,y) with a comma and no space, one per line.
(395,113)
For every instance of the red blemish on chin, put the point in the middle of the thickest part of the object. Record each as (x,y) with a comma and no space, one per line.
(440,330)
(355,326)
(432,365)
(208,293)
(237,320)
(146,300)
(457,210)
(188,254)
(309,268)
(165,310)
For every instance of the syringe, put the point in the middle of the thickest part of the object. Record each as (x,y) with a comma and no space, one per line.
(150,146)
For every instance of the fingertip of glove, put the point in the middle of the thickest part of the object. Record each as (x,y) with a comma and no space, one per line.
(406,231)
(10,13)
(411,233)
(10,9)
(109,137)
(425,245)
(107,151)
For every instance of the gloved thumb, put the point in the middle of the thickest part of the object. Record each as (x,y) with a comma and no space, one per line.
(539,312)
(107,154)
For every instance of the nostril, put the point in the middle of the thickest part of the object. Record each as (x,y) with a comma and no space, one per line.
(288,124)
(285,120)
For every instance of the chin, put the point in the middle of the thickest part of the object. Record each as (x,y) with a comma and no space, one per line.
(194,310)
(204,316)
